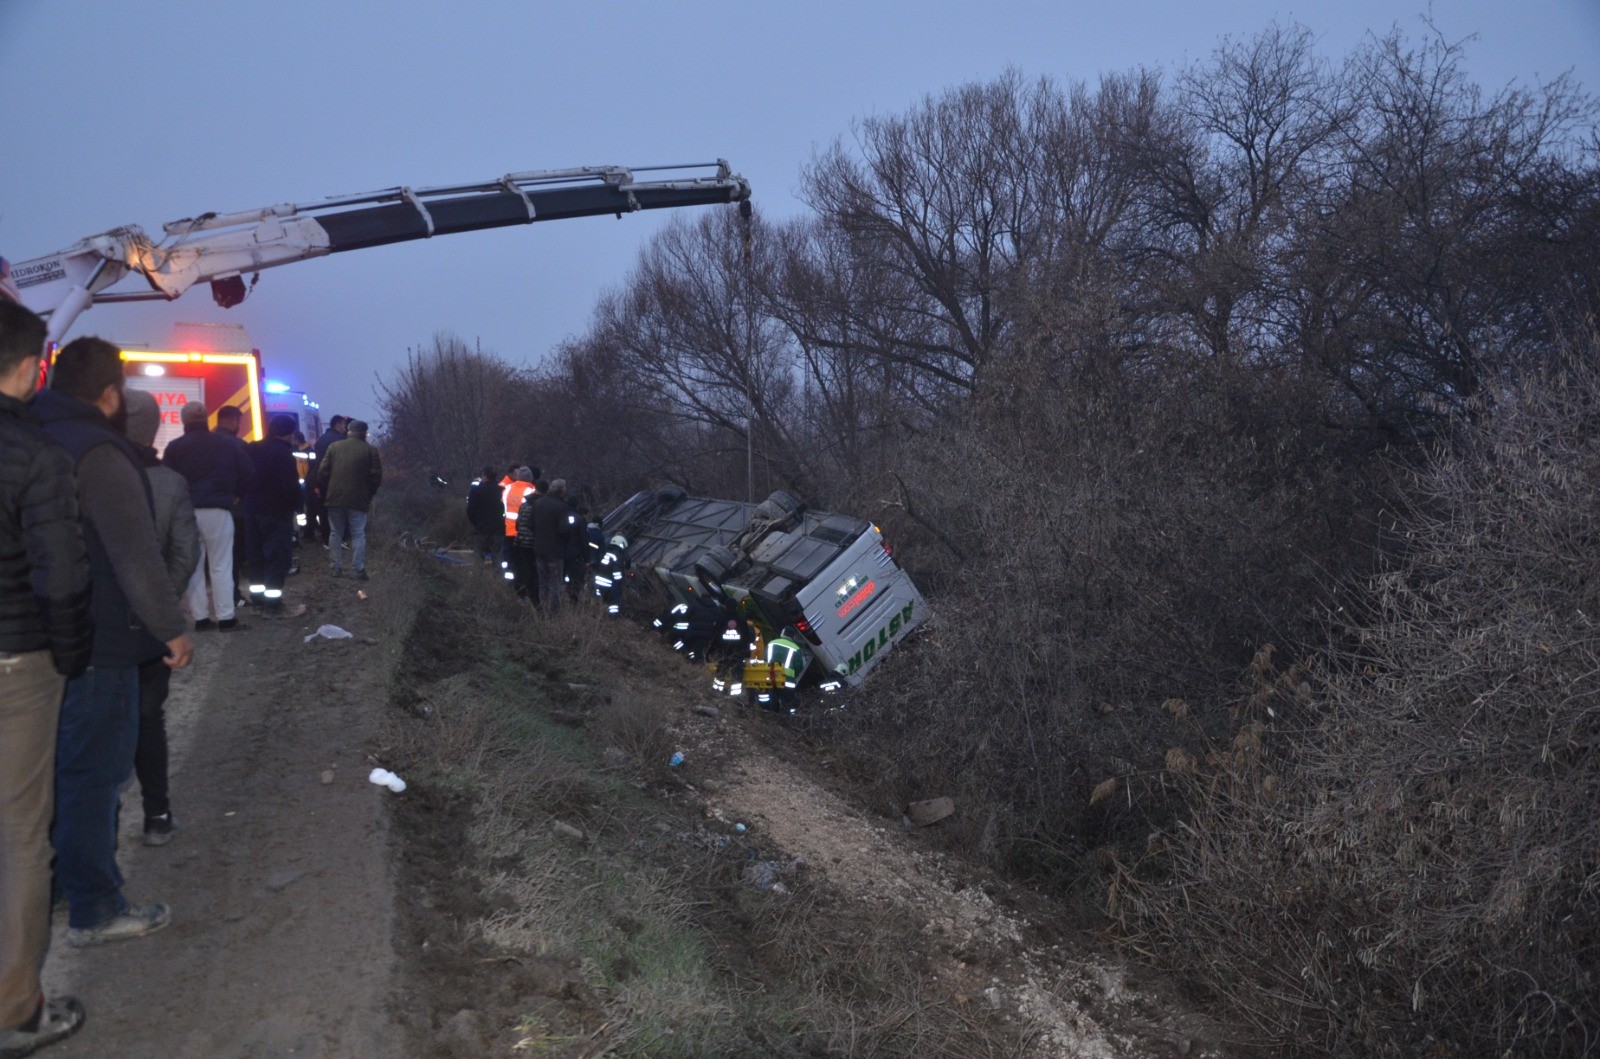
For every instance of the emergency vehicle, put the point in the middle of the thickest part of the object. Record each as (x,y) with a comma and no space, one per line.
(213,364)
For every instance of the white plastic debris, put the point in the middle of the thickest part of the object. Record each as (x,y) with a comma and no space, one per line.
(385,778)
(331,632)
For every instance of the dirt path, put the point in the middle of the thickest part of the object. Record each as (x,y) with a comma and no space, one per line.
(1070,1001)
(280,883)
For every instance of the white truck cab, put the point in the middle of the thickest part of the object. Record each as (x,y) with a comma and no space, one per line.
(827,580)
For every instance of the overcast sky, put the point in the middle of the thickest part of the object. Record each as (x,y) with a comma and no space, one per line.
(118,113)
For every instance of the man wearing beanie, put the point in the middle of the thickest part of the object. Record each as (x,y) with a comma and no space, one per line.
(179,536)
(268,515)
(218,472)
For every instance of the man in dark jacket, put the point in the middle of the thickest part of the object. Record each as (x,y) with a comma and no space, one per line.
(218,472)
(316,509)
(554,523)
(486,513)
(349,476)
(268,510)
(136,618)
(179,537)
(45,638)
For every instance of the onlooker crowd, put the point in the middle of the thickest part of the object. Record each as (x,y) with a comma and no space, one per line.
(107,554)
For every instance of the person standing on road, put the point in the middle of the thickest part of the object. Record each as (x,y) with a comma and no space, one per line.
(553,523)
(349,477)
(218,473)
(316,509)
(229,421)
(45,639)
(136,618)
(268,513)
(178,534)
(484,512)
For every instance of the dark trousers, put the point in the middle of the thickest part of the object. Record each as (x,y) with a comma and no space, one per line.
(269,542)
(95,741)
(490,543)
(525,573)
(316,516)
(576,572)
(550,581)
(150,754)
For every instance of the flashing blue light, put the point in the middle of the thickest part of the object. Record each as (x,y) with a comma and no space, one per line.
(277,387)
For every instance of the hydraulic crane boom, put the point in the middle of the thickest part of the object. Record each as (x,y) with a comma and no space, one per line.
(219,248)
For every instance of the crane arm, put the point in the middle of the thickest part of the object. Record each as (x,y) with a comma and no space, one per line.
(220,248)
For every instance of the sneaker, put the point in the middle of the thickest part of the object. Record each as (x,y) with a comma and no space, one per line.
(204,625)
(55,1020)
(132,923)
(361,575)
(158,829)
(231,624)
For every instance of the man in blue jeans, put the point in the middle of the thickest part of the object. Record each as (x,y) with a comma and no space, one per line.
(349,476)
(136,618)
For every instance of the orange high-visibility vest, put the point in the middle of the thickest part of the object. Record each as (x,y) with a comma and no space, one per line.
(515,494)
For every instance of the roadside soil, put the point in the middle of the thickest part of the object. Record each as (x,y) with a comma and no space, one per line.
(317,914)
(280,874)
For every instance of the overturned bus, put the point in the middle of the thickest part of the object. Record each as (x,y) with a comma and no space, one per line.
(824,580)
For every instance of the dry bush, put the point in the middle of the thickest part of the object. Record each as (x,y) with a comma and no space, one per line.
(1116,555)
(1405,853)
(633,723)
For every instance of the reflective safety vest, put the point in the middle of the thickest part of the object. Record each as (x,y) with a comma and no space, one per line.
(515,494)
(784,652)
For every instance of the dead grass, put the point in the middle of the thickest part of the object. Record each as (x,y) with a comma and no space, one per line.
(678,953)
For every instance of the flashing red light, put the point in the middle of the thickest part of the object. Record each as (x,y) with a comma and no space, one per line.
(803,627)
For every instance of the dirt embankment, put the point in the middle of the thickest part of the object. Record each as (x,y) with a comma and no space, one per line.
(549,884)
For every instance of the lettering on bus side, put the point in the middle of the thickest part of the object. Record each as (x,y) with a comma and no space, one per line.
(899,621)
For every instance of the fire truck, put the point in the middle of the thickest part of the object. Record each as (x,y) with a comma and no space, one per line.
(214,364)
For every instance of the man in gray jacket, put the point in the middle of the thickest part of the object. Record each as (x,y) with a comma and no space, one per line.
(136,619)
(179,536)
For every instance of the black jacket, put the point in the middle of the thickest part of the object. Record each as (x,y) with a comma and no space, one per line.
(545,525)
(216,465)
(274,490)
(44,568)
(485,510)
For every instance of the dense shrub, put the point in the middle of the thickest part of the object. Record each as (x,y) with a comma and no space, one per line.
(1406,847)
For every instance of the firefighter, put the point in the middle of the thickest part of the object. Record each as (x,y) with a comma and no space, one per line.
(609,571)
(788,657)
(519,567)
